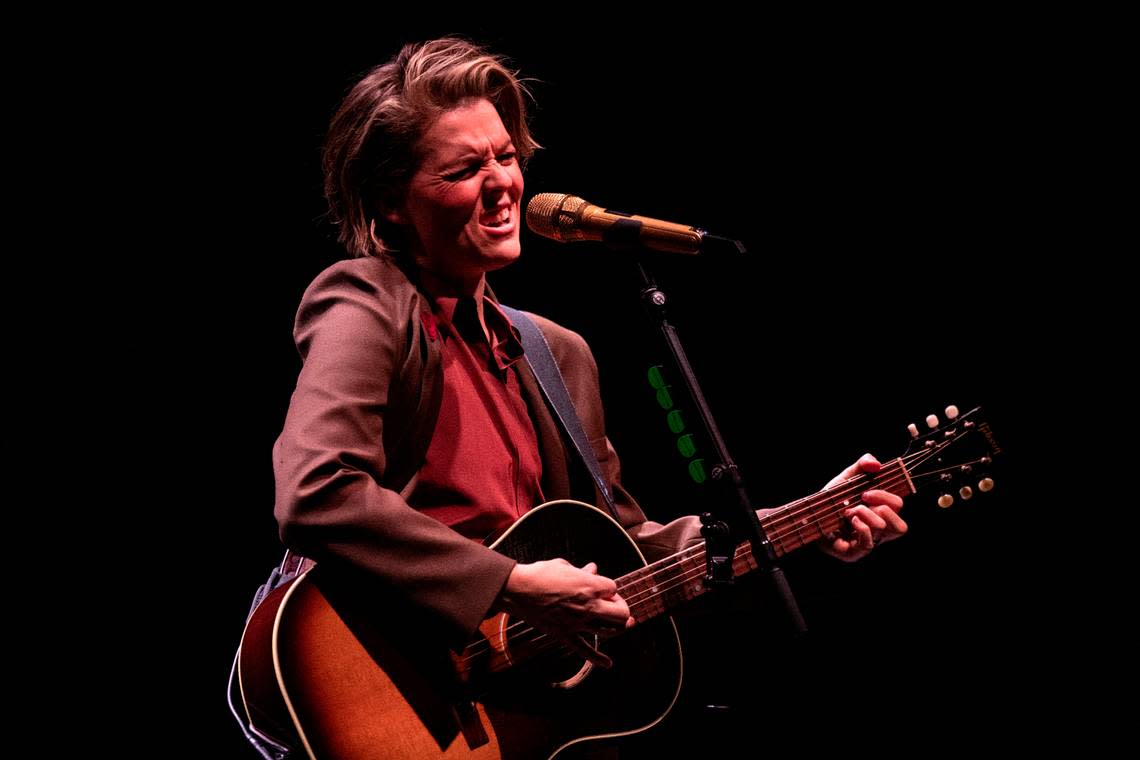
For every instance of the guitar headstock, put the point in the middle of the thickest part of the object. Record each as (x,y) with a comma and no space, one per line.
(956,454)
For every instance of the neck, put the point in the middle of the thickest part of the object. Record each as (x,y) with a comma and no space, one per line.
(657,588)
(436,285)
(458,286)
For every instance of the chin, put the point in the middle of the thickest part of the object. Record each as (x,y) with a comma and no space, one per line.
(501,256)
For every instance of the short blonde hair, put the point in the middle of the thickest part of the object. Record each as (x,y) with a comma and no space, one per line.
(370,150)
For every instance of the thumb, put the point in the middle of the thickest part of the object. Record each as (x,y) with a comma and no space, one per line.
(591,568)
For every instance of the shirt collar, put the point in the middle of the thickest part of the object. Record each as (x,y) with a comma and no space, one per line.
(457,316)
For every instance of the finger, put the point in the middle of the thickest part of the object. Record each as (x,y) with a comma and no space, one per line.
(609,627)
(579,644)
(613,614)
(896,526)
(865,463)
(591,567)
(876,497)
(863,536)
(842,549)
(603,587)
(868,516)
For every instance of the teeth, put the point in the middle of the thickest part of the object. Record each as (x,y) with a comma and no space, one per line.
(500,218)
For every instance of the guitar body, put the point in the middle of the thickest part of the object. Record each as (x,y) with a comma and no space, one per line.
(352,678)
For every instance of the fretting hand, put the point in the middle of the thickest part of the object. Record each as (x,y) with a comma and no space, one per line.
(872,522)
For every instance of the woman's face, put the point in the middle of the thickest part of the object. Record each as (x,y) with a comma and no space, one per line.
(462,206)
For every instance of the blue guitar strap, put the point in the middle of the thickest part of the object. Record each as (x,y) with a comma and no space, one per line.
(541,360)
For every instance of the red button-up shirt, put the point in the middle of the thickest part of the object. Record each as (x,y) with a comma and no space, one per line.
(483,468)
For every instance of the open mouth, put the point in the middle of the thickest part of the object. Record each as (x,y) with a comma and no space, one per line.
(499,219)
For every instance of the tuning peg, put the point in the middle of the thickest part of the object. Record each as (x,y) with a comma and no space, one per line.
(913,430)
(965,492)
(951,412)
(985,484)
(945,500)
(932,421)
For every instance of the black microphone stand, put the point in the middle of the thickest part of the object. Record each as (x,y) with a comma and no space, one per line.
(721,535)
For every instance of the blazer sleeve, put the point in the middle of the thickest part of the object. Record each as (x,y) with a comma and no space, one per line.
(329,462)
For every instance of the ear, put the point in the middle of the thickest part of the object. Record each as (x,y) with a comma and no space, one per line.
(393,214)
(392,210)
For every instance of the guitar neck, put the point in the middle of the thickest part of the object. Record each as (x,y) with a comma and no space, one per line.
(662,586)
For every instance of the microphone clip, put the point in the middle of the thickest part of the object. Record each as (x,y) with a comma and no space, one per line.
(719,551)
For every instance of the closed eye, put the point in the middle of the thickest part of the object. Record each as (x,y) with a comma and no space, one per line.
(464,173)
(505,159)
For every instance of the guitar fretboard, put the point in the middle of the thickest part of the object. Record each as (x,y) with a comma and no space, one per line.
(663,585)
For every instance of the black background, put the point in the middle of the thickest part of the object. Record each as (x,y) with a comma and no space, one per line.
(885,185)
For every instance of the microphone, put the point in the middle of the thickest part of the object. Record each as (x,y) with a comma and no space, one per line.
(568,218)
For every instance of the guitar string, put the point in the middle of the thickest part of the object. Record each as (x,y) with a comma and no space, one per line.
(515,631)
(686,559)
(825,507)
(695,570)
(558,646)
(689,558)
(692,570)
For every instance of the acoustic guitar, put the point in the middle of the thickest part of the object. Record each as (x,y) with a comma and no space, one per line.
(335,671)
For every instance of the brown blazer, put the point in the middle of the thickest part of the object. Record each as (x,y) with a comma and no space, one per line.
(358,428)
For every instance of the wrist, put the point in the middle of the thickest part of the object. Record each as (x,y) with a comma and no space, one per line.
(513,587)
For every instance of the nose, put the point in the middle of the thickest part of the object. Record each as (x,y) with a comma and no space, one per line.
(498,179)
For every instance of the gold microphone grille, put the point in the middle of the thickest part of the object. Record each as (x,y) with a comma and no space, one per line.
(555,215)
(540,213)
